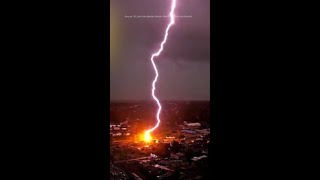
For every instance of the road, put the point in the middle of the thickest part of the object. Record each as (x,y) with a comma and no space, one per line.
(135,159)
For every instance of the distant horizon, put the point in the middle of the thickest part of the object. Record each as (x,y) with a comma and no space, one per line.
(192,100)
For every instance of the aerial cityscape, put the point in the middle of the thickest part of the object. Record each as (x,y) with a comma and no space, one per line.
(177,150)
(159,89)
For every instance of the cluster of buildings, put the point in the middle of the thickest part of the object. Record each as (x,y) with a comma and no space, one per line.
(117,173)
(169,157)
(184,160)
(180,152)
(122,129)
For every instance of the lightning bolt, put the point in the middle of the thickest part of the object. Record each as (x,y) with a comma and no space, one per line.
(156,54)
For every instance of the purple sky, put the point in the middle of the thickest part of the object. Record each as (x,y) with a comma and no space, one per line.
(184,65)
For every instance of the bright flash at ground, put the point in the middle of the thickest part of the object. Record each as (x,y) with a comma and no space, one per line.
(147,137)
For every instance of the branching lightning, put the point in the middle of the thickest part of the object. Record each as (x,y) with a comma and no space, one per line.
(156,54)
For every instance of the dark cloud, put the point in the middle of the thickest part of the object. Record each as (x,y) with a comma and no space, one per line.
(186,53)
(189,37)
(189,46)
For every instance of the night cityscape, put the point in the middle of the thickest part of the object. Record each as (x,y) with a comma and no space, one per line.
(159,89)
(178,150)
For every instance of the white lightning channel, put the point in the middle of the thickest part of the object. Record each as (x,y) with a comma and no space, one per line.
(173,6)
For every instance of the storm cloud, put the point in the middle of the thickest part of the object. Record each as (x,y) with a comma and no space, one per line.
(186,53)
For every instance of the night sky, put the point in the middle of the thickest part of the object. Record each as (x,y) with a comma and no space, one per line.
(184,65)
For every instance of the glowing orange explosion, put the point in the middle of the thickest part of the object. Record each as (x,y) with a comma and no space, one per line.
(147,137)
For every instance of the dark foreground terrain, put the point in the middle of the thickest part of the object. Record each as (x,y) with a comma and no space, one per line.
(179,149)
